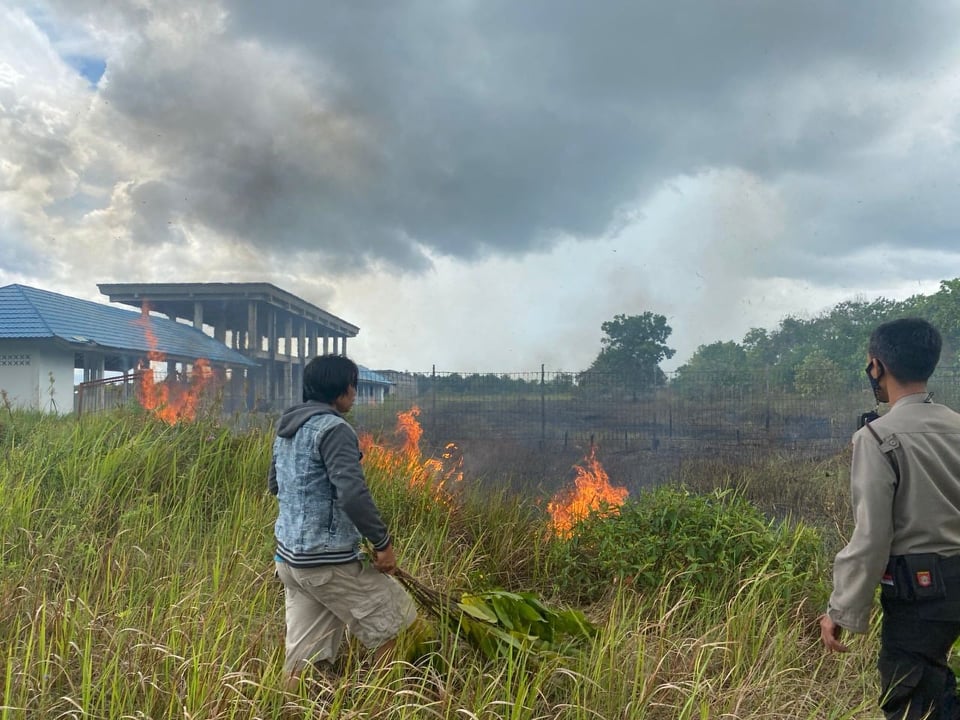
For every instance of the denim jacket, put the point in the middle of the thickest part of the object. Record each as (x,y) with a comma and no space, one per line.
(325,507)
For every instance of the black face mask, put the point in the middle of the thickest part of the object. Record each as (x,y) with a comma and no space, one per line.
(875,386)
(875,381)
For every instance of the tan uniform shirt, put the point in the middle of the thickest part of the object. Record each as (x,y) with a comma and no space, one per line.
(910,505)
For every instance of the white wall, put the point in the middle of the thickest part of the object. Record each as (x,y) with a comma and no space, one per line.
(26,370)
(369,394)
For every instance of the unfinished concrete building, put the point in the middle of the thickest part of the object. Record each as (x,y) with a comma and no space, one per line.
(276,329)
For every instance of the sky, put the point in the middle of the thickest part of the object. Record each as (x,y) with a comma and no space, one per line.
(480,184)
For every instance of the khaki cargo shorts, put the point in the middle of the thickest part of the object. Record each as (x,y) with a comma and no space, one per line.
(324,603)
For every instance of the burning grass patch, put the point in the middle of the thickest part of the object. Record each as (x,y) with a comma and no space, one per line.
(714,541)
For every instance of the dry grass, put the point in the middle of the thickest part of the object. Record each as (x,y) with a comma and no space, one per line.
(135,582)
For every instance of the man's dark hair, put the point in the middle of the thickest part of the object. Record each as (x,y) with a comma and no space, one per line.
(327,377)
(909,348)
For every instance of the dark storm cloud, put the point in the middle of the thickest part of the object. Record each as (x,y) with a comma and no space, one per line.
(365,131)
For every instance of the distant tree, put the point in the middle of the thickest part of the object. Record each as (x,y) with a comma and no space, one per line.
(839,336)
(843,333)
(631,351)
(760,349)
(943,310)
(817,374)
(713,369)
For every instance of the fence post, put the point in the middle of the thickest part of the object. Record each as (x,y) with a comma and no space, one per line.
(543,406)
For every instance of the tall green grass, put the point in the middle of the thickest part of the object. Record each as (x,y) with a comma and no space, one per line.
(136,581)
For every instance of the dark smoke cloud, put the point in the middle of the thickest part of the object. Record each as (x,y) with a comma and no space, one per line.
(720,163)
(376,133)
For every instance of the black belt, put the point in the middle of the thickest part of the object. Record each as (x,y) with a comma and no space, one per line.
(949,564)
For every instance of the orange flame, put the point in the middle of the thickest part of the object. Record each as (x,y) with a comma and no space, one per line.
(592,492)
(430,473)
(411,431)
(170,401)
(449,465)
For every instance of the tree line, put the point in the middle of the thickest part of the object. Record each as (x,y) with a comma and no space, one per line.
(807,355)
(826,352)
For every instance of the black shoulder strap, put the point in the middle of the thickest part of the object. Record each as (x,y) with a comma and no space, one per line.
(889,455)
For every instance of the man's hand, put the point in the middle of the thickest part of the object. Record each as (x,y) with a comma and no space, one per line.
(830,635)
(385,560)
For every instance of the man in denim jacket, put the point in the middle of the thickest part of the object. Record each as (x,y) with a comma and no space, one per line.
(325,510)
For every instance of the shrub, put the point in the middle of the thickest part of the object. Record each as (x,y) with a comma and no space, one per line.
(711,542)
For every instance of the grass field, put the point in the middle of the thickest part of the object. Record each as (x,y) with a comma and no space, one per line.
(136,582)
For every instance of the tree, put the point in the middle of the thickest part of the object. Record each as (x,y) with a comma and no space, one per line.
(759,348)
(631,351)
(712,370)
(838,335)
(943,310)
(818,374)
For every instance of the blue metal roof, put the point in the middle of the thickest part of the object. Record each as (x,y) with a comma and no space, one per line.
(29,313)
(374,378)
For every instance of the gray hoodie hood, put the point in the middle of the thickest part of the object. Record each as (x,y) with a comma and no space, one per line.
(294,417)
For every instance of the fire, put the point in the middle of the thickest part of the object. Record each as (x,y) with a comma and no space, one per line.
(450,463)
(411,431)
(431,473)
(592,492)
(170,401)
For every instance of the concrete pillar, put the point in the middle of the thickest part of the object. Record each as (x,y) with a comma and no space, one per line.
(287,394)
(198,315)
(272,333)
(271,386)
(288,337)
(253,341)
(343,345)
(326,345)
(303,355)
(251,344)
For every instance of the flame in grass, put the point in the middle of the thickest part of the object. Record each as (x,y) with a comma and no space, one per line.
(432,474)
(592,492)
(171,401)
(410,430)
(450,463)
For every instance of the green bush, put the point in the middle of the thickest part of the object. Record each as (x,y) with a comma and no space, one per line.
(710,543)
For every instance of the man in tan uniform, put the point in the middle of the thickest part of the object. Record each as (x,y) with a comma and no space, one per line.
(905,489)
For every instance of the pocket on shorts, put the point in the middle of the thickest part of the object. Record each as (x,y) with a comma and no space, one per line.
(316,576)
(381,615)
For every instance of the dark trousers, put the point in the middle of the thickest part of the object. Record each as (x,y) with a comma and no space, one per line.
(915,641)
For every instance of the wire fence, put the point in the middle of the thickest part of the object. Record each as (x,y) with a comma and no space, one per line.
(514,423)
(532,427)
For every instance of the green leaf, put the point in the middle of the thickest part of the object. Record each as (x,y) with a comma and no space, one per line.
(529,613)
(477,608)
(502,607)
